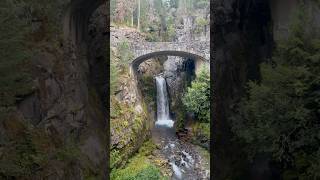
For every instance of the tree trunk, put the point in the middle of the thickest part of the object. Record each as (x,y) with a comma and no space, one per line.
(139,9)
(132,19)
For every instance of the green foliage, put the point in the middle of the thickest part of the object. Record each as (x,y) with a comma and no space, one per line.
(141,171)
(149,173)
(174,3)
(197,98)
(201,134)
(21,159)
(280,116)
(15,80)
(114,75)
(200,24)
(147,148)
(30,150)
(200,4)
(277,102)
(114,158)
(139,166)
(125,54)
(180,116)
(68,153)
(171,30)
(162,23)
(23,23)
(115,108)
(152,37)
(148,88)
(202,129)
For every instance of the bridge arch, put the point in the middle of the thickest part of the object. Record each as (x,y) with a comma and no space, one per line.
(138,60)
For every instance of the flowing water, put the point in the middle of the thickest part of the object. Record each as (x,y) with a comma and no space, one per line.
(184,159)
(163,114)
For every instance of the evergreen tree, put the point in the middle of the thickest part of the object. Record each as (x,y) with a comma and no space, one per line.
(281,114)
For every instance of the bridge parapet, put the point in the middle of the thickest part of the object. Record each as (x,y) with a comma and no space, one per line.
(198,48)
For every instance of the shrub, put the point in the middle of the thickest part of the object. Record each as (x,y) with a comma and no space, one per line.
(149,173)
(114,76)
(197,98)
(200,24)
(125,54)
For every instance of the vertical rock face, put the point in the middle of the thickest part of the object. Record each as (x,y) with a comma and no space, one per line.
(284,11)
(178,73)
(243,32)
(242,39)
(71,88)
(129,121)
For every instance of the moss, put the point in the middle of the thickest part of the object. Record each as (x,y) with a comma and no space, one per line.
(147,148)
(115,108)
(130,128)
(180,113)
(125,55)
(148,89)
(205,154)
(202,129)
(68,153)
(136,166)
(115,158)
(139,166)
(201,134)
(29,150)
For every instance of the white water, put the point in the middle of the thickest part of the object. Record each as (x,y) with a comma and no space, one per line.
(190,159)
(176,170)
(163,118)
(183,161)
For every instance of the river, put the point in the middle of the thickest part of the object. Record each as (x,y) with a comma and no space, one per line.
(184,158)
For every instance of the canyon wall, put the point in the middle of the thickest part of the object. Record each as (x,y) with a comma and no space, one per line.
(241,41)
(64,118)
(243,35)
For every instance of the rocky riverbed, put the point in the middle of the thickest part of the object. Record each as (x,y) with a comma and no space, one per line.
(183,159)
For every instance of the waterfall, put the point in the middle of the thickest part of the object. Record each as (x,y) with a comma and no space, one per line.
(163,117)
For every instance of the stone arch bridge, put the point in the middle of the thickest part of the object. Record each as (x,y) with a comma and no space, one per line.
(147,50)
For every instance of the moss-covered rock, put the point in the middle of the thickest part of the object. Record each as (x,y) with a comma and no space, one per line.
(140,166)
(128,130)
(201,134)
(33,153)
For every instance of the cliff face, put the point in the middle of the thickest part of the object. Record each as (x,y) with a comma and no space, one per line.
(241,38)
(65,114)
(129,120)
(283,11)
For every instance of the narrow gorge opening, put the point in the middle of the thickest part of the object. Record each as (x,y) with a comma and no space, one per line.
(163,82)
(157,51)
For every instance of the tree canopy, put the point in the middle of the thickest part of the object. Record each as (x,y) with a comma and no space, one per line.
(280,115)
(197,98)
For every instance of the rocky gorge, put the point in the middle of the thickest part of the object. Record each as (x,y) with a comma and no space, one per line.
(157,74)
(244,35)
(58,127)
(178,73)
(54,110)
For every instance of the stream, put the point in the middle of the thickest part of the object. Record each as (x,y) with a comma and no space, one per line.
(184,158)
